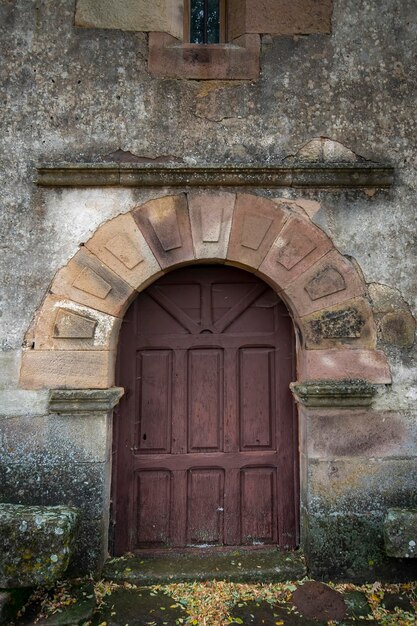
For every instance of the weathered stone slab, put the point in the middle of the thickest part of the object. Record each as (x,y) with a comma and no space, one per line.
(314,175)
(370,365)
(17,402)
(357,605)
(349,324)
(332,393)
(281,17)
(211,221)
(84,400)
(121,246)
(9,368)
(299,245)
(329,282)
(168,58)
(91,547)
(400,533)
(360,486)
(136,15)
(82,369)
(63,438)
(62,324)
(36,544)
(356,432)
(165,224)
(262,565)
(81,485)
(350,547)
(256,223)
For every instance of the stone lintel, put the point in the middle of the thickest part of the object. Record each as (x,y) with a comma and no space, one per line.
(84,400)
(400,533)
(318,175)
(334,393)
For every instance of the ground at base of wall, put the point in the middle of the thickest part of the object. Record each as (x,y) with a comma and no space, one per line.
(218,603)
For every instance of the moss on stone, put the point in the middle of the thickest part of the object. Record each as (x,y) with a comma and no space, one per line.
(37,543)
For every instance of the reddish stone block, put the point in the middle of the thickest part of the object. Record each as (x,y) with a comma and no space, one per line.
(348,325)
(279,17)
(122,247)
(369,365)
(330,281)
(359,433)
(299,245)
(170,58)
(256,223)
(165,224)
(63,324)
(88,281)
(43,369)
(211,221)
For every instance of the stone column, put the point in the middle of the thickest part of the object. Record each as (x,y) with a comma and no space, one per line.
(350,475)
(80,426)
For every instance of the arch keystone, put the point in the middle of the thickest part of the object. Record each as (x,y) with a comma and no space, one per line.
(165,224)
(211,221)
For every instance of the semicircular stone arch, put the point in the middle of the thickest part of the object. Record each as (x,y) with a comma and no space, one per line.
(73,337)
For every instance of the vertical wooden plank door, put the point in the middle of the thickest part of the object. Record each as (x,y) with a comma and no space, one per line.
(205,437)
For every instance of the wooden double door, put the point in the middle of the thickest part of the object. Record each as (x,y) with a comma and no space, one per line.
(205,436)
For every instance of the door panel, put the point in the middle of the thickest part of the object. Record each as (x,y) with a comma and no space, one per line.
(206,438)
(154,401)
(153,507)
(205,507)
(205,400)
(257,398)
(258,508)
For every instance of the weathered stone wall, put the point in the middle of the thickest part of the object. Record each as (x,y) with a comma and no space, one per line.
(81,94)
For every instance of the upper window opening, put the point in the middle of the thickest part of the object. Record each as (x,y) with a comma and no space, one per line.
(206,21)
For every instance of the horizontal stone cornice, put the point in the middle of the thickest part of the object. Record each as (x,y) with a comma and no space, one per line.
(317,175)
(72,401)
(334,393)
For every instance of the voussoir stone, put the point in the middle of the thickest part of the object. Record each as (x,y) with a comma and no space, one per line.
(36,543)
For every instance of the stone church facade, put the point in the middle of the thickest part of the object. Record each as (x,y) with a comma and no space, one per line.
(288,151)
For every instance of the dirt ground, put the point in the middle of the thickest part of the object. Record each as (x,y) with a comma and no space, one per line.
(216,603)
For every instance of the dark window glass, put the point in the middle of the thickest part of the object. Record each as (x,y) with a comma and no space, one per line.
(204,21)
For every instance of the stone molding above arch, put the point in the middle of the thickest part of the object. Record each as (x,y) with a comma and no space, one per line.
(73,337)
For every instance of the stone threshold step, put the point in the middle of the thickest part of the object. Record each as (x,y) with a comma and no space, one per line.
(238,565)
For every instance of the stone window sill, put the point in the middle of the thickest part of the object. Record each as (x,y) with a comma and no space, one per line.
(170,58)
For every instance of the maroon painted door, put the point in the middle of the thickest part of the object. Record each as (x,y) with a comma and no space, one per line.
(206,442)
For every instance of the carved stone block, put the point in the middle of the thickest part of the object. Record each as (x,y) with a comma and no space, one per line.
(165,225)
(211,221)
(62,324)
(299,245)
(88,281)
(330,281)
(256,224)
(349,324)
(121,246)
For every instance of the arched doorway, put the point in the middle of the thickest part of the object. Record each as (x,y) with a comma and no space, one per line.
(206,449)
